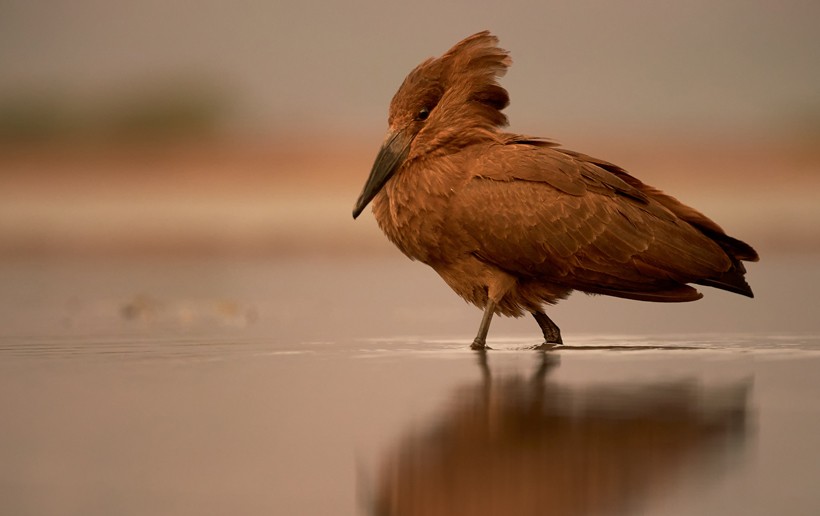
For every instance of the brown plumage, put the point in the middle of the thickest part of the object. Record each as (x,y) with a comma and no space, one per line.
(513,222)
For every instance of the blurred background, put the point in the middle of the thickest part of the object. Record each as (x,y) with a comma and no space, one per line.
(248,128)
(160,159)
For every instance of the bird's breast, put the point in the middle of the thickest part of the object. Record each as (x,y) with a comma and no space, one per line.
(412,211)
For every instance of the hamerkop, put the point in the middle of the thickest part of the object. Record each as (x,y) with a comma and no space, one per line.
(514,222)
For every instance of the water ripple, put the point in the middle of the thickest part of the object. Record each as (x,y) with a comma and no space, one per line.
(202,348)
(135,348)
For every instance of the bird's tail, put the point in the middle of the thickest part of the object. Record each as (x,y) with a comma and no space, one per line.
(737,249)
(733,280)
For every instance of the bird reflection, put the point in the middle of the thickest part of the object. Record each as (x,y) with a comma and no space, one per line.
(525,445)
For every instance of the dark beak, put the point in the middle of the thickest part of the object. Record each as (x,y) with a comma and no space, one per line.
(391,156)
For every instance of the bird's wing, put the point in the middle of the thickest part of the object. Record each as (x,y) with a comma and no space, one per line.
(735,248)
(540,213)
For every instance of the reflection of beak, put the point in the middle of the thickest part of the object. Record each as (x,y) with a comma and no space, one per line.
(391,156)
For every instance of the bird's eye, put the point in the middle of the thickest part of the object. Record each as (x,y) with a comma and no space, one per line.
(423,114)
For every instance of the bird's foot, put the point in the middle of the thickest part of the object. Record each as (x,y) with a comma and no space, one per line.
(547,346)
(479,345)
(554,338)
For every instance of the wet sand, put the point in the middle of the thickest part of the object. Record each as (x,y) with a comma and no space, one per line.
(346,387)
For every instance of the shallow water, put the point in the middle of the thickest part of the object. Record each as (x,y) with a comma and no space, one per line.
(215,387)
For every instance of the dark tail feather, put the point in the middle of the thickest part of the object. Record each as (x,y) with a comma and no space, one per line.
(732,281)
(679,294)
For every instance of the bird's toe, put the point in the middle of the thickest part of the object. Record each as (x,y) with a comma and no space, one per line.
(479,345)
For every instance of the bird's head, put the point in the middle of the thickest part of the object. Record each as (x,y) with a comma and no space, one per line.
(444,104)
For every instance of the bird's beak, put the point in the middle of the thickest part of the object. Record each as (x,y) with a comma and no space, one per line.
(391,156)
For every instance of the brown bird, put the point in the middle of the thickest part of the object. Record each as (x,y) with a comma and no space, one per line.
(514,222)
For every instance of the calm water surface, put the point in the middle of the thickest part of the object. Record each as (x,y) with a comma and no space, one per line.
(222,388)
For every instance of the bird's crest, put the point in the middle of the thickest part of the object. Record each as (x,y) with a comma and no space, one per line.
(473,66)
(460,88)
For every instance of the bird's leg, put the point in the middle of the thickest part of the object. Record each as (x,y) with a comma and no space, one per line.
(480,342)
(552,335)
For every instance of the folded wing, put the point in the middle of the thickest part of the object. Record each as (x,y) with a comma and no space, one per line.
(552,215)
